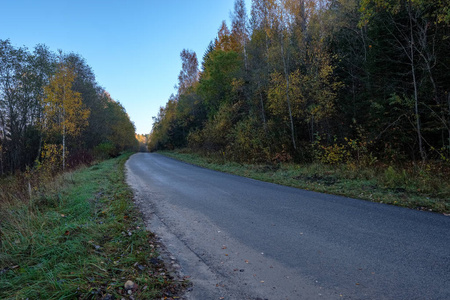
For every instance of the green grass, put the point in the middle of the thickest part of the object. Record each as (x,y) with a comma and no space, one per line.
(80,238)
(423,188)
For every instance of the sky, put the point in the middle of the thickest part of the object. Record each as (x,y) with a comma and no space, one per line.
(132,46)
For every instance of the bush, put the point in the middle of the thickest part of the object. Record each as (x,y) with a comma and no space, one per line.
(393,178)
(352,151)
(81,157)
(105,150)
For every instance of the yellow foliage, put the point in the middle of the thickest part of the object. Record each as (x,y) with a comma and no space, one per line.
(353,152)
(333,154)
(63,108)
(51,161)
(277,95)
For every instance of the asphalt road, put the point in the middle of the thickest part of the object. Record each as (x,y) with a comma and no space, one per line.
(240,238)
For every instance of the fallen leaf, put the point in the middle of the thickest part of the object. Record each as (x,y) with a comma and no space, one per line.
(67,232)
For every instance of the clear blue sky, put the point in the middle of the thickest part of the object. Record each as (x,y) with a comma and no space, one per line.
(132,46)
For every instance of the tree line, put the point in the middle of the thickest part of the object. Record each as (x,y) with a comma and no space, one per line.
(336,80)
(52,109)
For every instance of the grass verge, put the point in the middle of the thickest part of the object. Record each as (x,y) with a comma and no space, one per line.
(81,239)
(421,188)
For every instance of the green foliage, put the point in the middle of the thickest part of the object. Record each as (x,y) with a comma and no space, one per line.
(216,81)
(247,142)
(163,126)
(215,135)
(105,150)
(393,178)
(120,131)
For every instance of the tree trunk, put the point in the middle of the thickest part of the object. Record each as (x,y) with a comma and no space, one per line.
(263,113)
(64,147)
(416,100)
(417,115)
(245,56)
(290,113)
(286,75)
(39,148)
(448,126)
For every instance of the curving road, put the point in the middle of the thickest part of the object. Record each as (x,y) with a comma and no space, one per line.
(240,238)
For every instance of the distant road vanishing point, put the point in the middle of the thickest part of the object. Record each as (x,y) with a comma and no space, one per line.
(240,238)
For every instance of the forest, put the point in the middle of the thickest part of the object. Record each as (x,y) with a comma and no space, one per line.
(330,81)
(53,113)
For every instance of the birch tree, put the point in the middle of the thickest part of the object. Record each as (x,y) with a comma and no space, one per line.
(64,113)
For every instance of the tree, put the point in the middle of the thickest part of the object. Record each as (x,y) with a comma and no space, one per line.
(215,84)
(261,24)
(64,113)
(239,30)
(15,98)
(413,27)
(42,66)
(189,71)
(223,41)
(121,131)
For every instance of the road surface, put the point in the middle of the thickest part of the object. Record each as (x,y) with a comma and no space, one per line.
(239,238)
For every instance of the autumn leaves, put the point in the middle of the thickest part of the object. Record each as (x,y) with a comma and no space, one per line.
(64,113)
